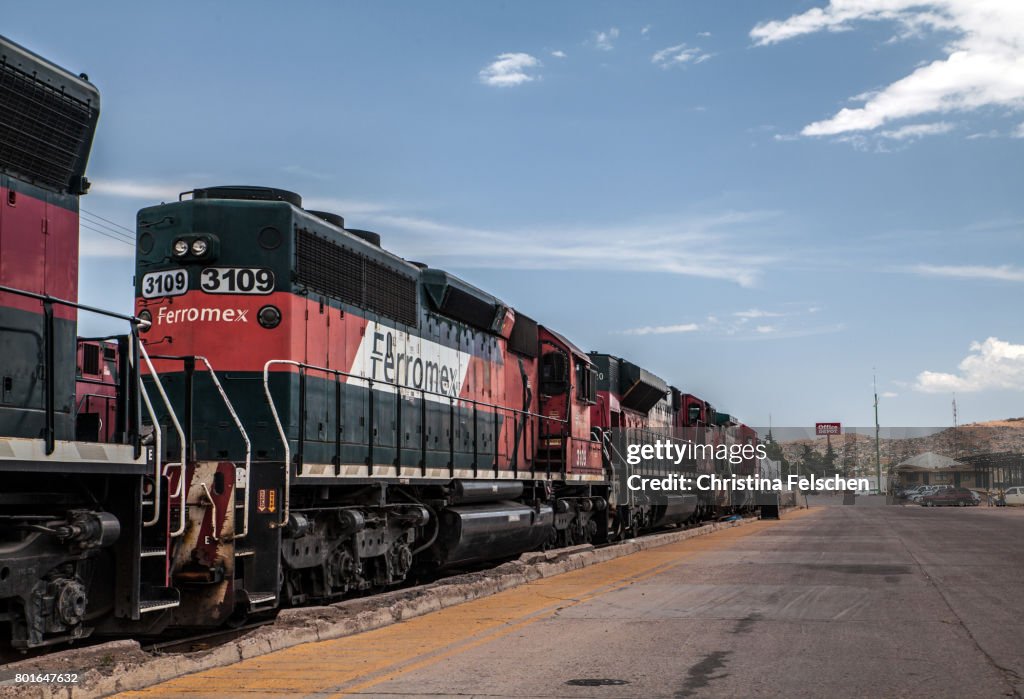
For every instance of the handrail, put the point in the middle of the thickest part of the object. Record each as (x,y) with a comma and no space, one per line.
(398,388)
(180,492)
(46,298)
(86,396)
(157,470)
(284,440)
(238,423)
(50,361)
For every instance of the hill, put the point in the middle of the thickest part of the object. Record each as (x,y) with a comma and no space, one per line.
(855,450)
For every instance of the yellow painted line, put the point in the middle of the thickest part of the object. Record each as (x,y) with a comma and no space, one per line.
(356,663)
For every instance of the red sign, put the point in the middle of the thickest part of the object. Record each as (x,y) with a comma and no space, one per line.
(825,429)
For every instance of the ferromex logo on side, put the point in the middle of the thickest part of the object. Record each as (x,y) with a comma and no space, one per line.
(393,356)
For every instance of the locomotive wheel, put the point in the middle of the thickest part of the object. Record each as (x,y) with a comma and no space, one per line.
(239,617)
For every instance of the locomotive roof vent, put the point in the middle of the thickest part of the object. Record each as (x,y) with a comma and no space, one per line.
(369,236)
(245,192)
(335,219)
(415,263)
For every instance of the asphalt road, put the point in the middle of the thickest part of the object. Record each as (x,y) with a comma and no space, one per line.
(835,601)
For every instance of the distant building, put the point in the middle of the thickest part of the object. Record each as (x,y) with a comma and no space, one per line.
(931,468)
(998,469)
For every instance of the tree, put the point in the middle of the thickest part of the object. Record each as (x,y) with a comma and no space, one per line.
(828,462)
(810,462)
(773,450)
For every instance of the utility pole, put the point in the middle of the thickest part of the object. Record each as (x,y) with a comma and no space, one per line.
(956,432)
(878,447)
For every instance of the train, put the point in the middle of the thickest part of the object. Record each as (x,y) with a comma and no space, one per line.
(293,413)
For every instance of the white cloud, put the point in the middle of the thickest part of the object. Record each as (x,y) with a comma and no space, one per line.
(889,394)
(707,247)
(757,313)
(606,40)
(737,325)
(679,55)
(912,131)
(661,329)
(132,189)
(510,69)
(704,34)
(559,54)
(992,364)
(1019,131)
(645,30)
(1003,273)
(983,66)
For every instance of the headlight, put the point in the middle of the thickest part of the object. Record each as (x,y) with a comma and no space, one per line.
(147,320)
(180,247)
(269,317)
(199,247)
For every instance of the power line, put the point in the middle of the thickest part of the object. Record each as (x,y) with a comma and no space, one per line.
(118,225)
(108,229)
(104,233)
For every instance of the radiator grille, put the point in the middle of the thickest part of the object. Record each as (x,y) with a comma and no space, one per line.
(344,274)
(45,134)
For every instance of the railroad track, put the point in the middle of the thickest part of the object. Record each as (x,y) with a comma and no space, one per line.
(210,639)
(203,641)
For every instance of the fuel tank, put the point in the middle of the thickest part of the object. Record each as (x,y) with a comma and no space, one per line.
(674,509)
(485,491)
(479,532)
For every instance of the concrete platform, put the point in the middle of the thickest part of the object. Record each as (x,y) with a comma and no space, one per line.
(832,601)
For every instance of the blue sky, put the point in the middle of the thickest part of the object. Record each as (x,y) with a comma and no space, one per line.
(762,202)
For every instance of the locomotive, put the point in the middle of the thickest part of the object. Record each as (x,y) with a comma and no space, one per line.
(73,501)
(392,418)
(294,413)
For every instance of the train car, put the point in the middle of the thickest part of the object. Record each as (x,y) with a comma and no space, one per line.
(695,421)
(71,510)
(348,417)
(96,389)
(634,408)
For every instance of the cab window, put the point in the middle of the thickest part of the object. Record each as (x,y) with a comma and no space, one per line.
(586,383)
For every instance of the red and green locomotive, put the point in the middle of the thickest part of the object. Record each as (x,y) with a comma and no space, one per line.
(377,416)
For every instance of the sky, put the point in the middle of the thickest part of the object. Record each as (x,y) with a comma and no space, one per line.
(765,203)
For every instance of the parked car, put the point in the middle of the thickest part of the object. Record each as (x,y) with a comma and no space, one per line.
(925,490)
(961,497)
(907,491)
(1014,495)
